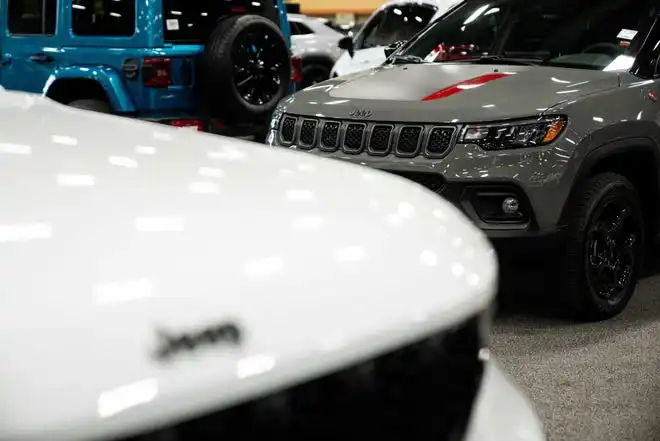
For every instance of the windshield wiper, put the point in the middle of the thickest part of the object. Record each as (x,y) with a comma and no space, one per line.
(407,59)
(502,60)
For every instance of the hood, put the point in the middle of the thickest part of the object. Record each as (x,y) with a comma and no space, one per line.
(449,92)
(118,235)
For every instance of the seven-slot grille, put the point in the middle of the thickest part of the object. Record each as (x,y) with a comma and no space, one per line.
(378,139)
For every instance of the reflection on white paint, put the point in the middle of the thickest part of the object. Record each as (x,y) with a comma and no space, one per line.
(145,150)
(473,279)
(264,267)
(124,291)
(117,400)
(211,172)
(22,232)
(204,187)
(350,254)
(439,214)
(75,180)
(64,140)
(15,149)
(300,195)
(307,168)
(308,222)
(457,269)
(254,365)
(428,258)
(159,224)
(163,136)
(123,161)
(228,154)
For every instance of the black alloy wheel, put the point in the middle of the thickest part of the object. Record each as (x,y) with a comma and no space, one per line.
(604,248)
(256,70)
(612,254)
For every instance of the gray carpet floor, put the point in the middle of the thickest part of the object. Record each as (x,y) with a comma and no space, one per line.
(589,381)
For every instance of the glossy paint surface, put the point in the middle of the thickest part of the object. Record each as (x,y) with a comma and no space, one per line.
(601,106)
(100,58)
(368,58)
(113,229)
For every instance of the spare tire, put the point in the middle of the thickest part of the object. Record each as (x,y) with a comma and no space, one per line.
(245,69)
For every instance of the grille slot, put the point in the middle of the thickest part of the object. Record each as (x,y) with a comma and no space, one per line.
(354,137)
(433,181)
(440,140)
(408,141)
(288,129)
(422,391)
(379,141)
(308,133)
(330,136)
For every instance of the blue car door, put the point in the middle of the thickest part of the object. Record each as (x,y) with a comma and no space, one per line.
(29,54)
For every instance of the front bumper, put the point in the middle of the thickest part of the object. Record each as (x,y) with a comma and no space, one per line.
(501,412)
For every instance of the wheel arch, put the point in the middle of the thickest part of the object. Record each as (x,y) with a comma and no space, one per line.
(74,82)
(635,158)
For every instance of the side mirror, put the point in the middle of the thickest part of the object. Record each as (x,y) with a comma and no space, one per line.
(389,50)
(346,44)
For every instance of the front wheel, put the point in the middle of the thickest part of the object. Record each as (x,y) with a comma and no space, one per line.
(604,250)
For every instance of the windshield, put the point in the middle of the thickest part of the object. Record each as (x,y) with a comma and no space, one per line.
(583,34)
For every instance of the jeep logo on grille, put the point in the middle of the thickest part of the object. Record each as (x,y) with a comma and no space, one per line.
(360,114)
(172,344)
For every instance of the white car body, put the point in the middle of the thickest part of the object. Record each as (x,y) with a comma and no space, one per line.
(310,36)
(113,230)
(369,57)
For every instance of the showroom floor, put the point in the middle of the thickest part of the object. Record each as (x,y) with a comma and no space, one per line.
(588,381)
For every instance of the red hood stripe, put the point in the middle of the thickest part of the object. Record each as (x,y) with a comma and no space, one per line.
(464,85)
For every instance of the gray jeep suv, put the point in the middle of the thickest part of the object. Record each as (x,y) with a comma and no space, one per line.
(540,120)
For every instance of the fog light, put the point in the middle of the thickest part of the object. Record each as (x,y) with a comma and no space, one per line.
(510,206)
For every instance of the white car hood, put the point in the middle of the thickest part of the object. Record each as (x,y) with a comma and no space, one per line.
(113,229)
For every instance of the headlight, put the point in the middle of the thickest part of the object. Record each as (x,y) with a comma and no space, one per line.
(514,134)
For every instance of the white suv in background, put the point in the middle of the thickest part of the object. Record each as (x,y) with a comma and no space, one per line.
(160,284)
(316,42)
(396,20)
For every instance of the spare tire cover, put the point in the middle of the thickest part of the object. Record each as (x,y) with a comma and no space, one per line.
(245,69)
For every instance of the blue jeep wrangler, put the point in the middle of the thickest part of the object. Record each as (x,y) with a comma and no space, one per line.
(214,65)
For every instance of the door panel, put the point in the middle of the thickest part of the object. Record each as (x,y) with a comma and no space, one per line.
(28,56)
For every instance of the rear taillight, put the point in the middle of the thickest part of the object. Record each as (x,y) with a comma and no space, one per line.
(191,124)
(157,72)
(296,69)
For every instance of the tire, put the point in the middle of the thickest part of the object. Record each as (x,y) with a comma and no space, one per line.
(91,104)
(605,201)
(227,64)
(313,74)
